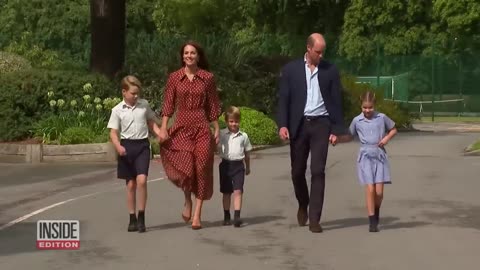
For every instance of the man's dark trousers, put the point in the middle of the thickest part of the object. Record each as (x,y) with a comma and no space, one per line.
(312,137)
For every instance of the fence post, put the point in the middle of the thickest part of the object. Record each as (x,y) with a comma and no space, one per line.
(433,81)
(378,64)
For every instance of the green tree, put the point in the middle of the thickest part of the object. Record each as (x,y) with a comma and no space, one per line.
(398,26)
(456,25)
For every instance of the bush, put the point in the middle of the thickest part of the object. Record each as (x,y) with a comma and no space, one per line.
(86,113)
(352,105)
(77,135)
(155,146)
(260,128)
(10,62)
(24,97)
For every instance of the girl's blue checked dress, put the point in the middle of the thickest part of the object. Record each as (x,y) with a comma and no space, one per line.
(372,162)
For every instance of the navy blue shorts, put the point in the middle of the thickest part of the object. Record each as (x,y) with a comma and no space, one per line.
(232,175)
(136,161)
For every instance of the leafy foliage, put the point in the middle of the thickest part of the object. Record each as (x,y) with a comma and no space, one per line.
(10,62)
(71,120)
(260,128)
(24,99)
(62,28)
(352,104)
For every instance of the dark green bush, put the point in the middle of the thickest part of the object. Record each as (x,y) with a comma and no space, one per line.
(24,96)
(260,128)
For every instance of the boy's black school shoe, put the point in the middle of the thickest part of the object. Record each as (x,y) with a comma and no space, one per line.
(141,222)
(141,228)
(227,222)
(133,225)
(237,223)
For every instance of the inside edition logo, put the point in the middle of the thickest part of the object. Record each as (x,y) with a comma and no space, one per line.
(58,234)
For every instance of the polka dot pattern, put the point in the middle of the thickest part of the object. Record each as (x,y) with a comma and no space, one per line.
(187,157)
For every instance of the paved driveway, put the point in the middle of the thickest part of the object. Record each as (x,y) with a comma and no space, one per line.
(430,218)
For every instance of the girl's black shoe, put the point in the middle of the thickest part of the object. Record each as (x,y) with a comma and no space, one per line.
(373,224)
(133,226)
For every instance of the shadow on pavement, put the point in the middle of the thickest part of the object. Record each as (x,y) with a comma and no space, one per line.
(386,223)
(247,221)
(20,238)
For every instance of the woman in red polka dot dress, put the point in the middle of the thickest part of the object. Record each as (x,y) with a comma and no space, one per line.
(187,148)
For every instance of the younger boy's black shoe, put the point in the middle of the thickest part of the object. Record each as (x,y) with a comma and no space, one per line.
(237,222)
(227,222)
(141,222)
(226,218)
(133,226)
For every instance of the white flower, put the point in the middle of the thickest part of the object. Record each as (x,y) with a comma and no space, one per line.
(99,107)
(86,98)
(53,103)
(50,93)
(73,103)
(60,103)
(87,87)
(97,100)
(81,114)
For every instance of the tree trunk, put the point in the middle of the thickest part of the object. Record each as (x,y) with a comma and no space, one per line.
(107,22)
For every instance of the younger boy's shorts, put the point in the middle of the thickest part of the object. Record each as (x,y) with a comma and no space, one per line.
(232,175)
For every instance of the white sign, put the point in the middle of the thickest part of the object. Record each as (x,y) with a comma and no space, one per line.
(58,234)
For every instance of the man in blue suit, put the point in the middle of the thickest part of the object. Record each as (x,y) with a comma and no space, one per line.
(310,116)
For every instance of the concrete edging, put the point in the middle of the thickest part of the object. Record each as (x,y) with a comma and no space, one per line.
(38,153)
(255,148)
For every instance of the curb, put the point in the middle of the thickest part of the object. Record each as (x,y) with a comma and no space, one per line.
(472,153)
(255,148)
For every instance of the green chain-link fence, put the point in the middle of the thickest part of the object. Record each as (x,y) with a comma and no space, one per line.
(436,84)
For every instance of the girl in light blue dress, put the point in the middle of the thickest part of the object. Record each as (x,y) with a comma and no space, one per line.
(374,131)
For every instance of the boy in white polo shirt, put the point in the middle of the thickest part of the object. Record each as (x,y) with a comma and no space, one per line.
(234,147)
(132,118)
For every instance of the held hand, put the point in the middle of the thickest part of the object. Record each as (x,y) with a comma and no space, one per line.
(283,133)
(247,171)
(121,151)
(333,139)
(216,136)
(383,142)
(163,135)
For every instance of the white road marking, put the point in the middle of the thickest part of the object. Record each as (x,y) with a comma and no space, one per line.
(22,218)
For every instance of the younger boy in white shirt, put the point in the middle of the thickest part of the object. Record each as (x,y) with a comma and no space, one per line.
(234,147)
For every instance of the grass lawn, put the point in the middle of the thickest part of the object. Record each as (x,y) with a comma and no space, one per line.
(476,146)
(450,119)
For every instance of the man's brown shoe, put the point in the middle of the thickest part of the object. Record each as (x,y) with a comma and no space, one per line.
(302,216)
(315,228)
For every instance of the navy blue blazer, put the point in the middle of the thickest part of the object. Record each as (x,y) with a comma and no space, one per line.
(292,95)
